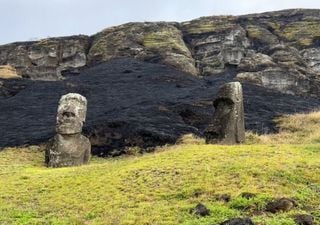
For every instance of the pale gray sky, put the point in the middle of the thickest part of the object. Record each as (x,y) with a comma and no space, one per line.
(22,20)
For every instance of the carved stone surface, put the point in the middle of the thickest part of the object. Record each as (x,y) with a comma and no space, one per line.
(69,147)
(71,115)
(68,150)
(227,126)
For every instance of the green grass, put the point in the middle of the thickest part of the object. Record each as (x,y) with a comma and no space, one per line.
(160,187)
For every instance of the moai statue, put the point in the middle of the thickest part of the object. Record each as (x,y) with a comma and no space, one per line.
(227,126)
(69,147)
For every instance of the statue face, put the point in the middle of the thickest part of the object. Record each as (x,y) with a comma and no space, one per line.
(71,114)
(223,107)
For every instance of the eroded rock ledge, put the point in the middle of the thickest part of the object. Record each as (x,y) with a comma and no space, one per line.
(205,46)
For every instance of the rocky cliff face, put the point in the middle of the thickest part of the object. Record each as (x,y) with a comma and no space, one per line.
(45,59)
(154,42)
(275,55)
(278,50)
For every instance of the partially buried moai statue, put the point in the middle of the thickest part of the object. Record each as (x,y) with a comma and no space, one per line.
(69,147)
(227,126)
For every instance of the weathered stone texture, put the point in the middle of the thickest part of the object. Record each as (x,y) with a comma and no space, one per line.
(154,42)
(69,147)
(227,126)
(71,115)
(68,150)
(281,41)
(46,59)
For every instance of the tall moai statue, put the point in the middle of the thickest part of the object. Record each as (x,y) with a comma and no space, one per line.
(227,126)
(69,147)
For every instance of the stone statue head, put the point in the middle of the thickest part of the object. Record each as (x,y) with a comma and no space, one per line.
(71,115)
(230,94)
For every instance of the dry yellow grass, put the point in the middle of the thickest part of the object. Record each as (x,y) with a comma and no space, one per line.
(8,72)
(302,128)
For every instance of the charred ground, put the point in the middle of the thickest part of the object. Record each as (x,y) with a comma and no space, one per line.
(134,103)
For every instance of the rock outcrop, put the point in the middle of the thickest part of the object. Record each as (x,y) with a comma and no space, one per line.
(215,43)
(46,59)
(283,45)
(153,42)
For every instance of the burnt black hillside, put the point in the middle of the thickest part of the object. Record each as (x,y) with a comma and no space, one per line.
(133,103)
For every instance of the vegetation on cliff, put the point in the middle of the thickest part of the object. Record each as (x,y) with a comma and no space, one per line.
(157,42)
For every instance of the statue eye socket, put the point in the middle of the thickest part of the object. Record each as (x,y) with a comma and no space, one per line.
(68,114)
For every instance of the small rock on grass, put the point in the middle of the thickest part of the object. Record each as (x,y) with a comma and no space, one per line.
(303,219)
(282,204)
(200,210)
(223,197)
(238,221)
(248,195)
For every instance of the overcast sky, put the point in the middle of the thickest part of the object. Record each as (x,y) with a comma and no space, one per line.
(22,20)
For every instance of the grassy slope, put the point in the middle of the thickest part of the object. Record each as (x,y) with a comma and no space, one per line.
(160,188)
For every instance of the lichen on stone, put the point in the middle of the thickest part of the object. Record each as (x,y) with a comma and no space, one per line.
(303,33)
(208,25)
(261,35)
(160,42)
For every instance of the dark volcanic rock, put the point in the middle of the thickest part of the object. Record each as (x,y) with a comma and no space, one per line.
(238,221)
(303,219)
(248,195)
(282,204)
(201,210)
(223,197)
(152,105)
